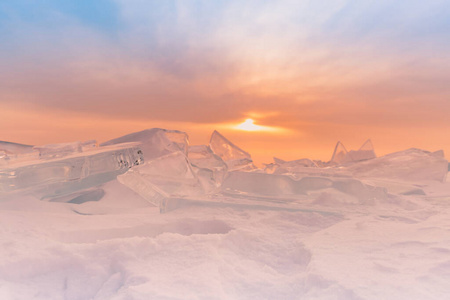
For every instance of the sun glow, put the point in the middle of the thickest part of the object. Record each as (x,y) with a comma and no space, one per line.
(249,125)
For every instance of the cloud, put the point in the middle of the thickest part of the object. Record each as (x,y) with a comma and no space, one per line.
(300,64)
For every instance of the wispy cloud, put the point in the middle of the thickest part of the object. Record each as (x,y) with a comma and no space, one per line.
(313,63)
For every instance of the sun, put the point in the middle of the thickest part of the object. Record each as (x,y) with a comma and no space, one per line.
(249,125)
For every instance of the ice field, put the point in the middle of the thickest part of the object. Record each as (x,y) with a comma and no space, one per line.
(148,216)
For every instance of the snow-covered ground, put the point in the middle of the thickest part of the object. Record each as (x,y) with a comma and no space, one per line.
(121,247)
(82,221)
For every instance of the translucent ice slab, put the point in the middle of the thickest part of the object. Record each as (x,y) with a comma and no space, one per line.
(202,157)
(58,150)
(258,184)
(10,151)
(277,192)
(155,142)
(14,148)
(276,186)
(294,166)
(49,178)
(15,153)
(167,176)
(408,165)
(232,155)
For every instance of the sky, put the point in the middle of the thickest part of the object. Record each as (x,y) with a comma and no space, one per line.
(310,73)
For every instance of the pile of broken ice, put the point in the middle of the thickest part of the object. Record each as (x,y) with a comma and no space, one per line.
(161,167)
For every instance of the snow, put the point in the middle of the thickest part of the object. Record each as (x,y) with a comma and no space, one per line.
(381,233)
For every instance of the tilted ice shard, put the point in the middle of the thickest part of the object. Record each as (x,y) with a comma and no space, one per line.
(155,142)
(143,187)
(243,164)
(408,165)
(167,176)
(179,139)
(48,178)
(365,152)
(339,153)
(225,149)
(202,157)
(234,157)
(367,146)
(278,161)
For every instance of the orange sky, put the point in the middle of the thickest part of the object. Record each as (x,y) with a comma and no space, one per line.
(317,141)
(343,71)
